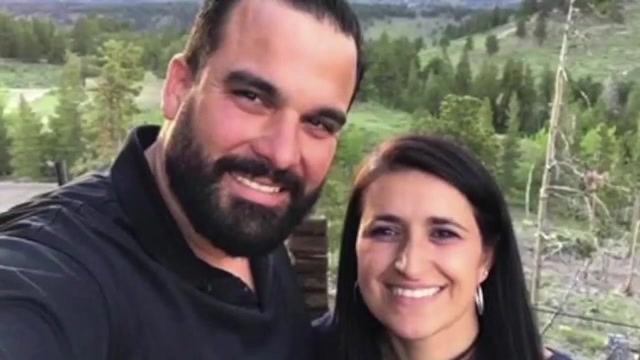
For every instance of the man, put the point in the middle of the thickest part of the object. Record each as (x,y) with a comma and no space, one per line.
(177,251)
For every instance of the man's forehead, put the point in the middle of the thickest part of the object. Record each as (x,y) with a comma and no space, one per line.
(283,45)
(256,13)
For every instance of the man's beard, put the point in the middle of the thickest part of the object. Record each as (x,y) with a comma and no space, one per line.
(239,227)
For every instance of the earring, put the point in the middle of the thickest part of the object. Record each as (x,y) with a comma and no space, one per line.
(479,300)
(355,291)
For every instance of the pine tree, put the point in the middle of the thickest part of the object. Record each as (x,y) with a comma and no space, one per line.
(113,102)
(66,124)
(509,152)
(486,85)
(496,17)
(468,45)
(83,35)
(521,28)
(529,7)
(463,75)
(632,110)
(444,43)
(598,147)
(492,45)
(10,36)
(43,31)
(26,142)
(57,49)
(527,101)
(412,94)
(435,90)
(545,96)
(540,31)
(5,158)
(511,82)
(29,48)
(459,120)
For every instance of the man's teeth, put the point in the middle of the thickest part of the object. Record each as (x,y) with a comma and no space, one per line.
(256,186)
(415,293)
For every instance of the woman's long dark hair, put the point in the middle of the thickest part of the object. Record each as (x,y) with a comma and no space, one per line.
(508,328)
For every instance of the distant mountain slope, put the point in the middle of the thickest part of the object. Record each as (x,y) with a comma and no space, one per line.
(92,2)
(598,47)
(414,3)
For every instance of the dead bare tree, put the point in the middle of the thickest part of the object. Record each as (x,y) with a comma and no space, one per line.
(527,198)
(550,155)
(627,288)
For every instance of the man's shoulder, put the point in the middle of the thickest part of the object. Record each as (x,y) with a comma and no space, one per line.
(63,213)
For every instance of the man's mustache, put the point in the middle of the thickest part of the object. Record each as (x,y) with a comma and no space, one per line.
(256,167)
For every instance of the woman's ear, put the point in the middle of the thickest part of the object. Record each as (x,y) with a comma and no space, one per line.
(177,85)
(485,265)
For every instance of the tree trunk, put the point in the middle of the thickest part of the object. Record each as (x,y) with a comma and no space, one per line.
(527,199)
(550,157)
(627,288)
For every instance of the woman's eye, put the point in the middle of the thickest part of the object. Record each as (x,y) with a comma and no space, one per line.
(382,233)
(443,234)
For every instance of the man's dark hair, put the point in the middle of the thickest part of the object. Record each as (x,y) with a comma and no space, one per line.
(208,29)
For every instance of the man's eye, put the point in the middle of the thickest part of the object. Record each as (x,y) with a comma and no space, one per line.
(326,125)
(247,94)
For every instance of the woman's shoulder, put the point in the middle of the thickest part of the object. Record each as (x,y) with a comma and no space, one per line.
(324,324)
(557,355)
(325,336)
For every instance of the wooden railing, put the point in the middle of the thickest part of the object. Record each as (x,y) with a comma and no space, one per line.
(308,248)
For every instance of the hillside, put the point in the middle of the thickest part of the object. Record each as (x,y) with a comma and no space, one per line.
(598,47)
(413,3)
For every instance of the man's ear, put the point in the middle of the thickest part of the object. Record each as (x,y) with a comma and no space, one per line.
(178,83)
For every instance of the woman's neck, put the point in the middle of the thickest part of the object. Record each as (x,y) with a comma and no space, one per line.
(455,342)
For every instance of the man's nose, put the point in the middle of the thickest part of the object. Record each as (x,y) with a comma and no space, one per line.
(280,141)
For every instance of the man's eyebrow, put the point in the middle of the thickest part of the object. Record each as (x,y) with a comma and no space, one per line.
(246,78)
(271,92)
(331,113)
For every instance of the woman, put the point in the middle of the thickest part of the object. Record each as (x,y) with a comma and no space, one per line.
(429,266)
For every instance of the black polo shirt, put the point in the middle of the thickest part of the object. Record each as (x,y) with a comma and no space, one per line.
(98,269)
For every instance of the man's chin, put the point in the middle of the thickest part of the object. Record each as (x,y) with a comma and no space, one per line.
(246,249)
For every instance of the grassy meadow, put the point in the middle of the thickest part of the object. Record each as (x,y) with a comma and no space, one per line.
(425,27)
(597,47)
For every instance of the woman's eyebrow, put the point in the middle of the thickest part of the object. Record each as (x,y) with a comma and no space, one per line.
(440,220)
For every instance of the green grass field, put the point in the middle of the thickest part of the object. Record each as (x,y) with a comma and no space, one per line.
(378,120)
(412,28)
(15,74)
